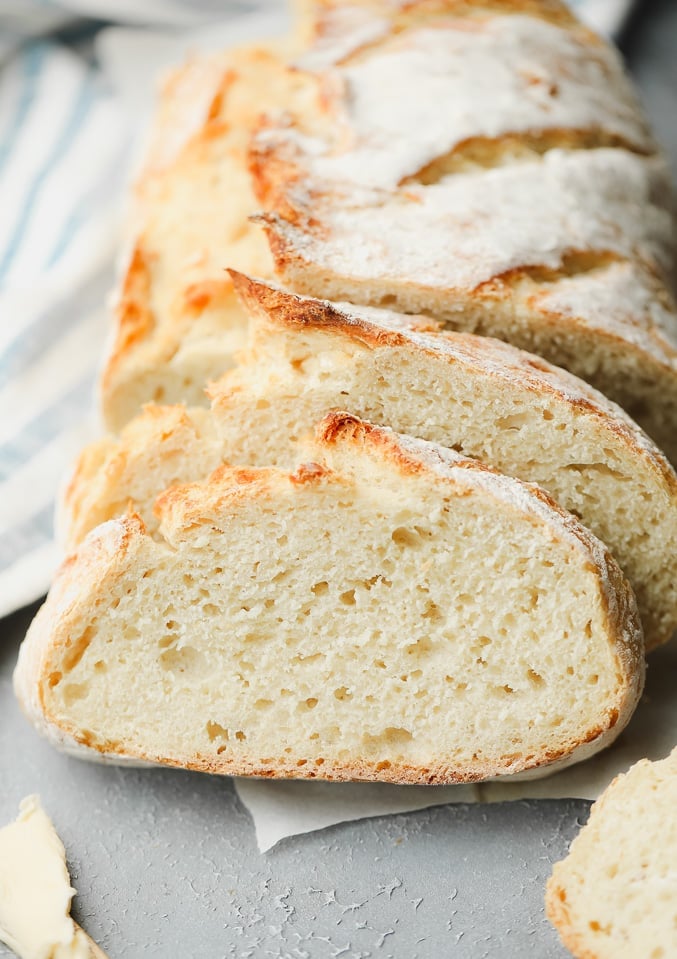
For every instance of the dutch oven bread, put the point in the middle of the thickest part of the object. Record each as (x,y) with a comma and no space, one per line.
(480,396)
(389,610)
(486,164)
(615,895)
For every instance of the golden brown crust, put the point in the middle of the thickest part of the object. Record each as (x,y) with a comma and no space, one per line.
(134,317)
(558,914)
(288,309)
(360,771)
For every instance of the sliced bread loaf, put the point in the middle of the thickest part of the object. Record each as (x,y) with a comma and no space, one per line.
(480,396)
(541,216)
(388,611)
(615,895)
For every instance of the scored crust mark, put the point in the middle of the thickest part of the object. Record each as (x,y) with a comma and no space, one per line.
(486,153)
(342,32)
(484,217)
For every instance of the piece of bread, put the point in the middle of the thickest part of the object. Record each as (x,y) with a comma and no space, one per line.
(615,895)
(480,396)
(388,611)
(177,320)
(540,215)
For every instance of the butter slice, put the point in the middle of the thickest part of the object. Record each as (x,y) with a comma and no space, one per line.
(35,890)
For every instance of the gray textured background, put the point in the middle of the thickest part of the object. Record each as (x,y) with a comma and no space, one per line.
(166,864)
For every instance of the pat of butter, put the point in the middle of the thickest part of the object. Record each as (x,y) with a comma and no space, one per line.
(35,890)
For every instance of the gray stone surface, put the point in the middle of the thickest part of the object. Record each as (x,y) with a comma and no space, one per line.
(165,862)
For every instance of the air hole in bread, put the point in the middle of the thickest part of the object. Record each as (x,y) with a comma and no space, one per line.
(76,649)
(216,731)
(406,537)
(72,692)
(534,678)
(432,612)
(186,659)
(420,647)
(513,422)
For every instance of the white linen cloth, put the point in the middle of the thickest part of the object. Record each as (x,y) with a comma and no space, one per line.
(72,107)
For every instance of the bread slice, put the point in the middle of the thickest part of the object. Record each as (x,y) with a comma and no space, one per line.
(541,216)
(615,895)
(177,320)
(482,397)
(388,611)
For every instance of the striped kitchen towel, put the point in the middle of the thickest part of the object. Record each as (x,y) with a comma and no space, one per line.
(72,98)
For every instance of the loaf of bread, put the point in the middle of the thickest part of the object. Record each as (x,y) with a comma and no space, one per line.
(615,895)
(177,321)
(389,610)
(505,184)
(480,396)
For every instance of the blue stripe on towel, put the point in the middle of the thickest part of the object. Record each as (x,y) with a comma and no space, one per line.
(87,206)
(81,106)
(32,59)
(48,327)
(27,536)
(67,410)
